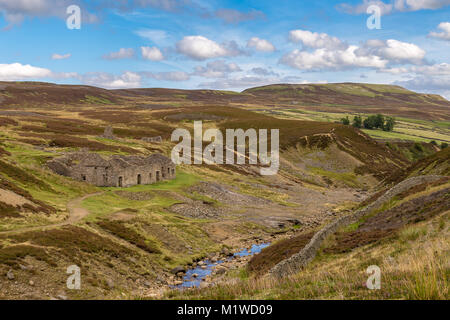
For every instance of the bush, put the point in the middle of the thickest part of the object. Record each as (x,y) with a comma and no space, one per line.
(370,122)
(444,145)
(389,125)
(345,121)
(418,147)
(357,122)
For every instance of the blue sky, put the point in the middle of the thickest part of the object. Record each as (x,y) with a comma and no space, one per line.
(230,45)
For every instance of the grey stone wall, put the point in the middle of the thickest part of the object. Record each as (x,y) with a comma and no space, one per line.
(116,172)
(307,254)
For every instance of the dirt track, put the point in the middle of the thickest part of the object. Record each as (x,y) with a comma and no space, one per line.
(76,213)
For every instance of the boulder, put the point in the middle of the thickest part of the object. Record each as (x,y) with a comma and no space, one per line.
(10,275)
(178,270)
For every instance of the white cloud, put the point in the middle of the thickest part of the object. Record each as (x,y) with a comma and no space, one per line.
(433,70)
(169,76)
(252,81)
(361,8)
(334,54)
(437,85)
(445,34)
(202,48)
(110,81)
(398,70)
(57,56)
(15,11)
(416,5)
(332,59)
(316,40)
(395,5)
(393,50)
(123,53)
(237,83)
(17,71)
(442,69)
(260,45)
(152,53)
(216,69)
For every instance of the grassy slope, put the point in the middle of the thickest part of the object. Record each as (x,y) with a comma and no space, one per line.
(353,96)
(414,266)
(413,259)
(436,164)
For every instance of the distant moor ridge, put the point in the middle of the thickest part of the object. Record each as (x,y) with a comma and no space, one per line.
(336,97)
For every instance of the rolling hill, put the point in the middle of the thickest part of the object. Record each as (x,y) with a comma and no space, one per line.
(356,97)
(337,97)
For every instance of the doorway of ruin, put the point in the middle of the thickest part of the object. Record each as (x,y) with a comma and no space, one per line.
(120,182)
(157,175)
(139,179)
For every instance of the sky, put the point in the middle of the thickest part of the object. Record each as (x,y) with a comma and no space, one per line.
(227,45)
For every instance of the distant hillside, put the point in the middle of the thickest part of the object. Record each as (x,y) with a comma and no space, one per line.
(336,98)
(436,164)
(355,97)
(38,93)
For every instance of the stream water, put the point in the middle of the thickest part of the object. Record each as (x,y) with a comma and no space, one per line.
(190,281)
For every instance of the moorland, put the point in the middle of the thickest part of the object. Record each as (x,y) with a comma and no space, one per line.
(139,242)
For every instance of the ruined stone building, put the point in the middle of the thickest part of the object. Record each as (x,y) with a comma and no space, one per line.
(116,171)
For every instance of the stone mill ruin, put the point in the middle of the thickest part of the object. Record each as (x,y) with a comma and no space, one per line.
(115,171)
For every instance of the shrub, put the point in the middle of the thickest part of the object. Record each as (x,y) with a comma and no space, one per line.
(418,147)
(345,121)
(357,122)
(389,125)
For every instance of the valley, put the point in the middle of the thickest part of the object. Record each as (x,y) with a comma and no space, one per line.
(141,241)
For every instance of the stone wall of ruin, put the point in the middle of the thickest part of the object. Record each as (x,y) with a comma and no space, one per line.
(114,176)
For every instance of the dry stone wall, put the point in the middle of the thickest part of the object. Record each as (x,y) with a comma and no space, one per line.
(307,254)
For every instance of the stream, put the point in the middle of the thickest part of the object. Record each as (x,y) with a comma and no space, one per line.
(189,281)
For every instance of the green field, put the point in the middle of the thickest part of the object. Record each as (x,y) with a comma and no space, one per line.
(406,129)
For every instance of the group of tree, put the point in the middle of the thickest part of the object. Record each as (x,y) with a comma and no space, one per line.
(371,122)
(443,144)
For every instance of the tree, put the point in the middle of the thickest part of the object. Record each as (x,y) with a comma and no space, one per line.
(357,122)
(345,121)
(370,122)
(378,121)
(389,124)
